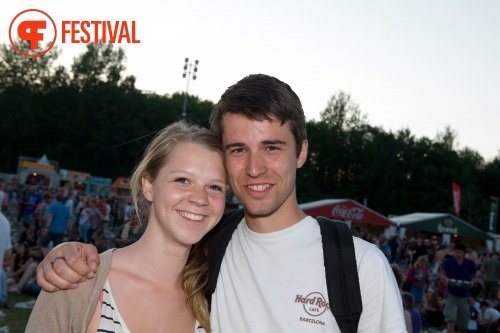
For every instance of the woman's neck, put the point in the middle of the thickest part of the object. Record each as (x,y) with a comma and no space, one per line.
(154,258)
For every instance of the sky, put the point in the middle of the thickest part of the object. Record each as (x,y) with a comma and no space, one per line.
(422,65)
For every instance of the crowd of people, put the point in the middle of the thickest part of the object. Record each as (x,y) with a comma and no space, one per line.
(446,287)
(46,217)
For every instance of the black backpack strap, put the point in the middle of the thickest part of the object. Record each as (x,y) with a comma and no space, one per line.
(218,240)
(342,280)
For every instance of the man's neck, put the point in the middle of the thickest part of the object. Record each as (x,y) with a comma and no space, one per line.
(279,220)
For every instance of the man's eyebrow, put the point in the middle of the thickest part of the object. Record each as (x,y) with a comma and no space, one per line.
(234,145)
(274,142)
(264,143)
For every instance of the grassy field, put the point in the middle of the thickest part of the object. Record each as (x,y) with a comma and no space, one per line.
(15,319)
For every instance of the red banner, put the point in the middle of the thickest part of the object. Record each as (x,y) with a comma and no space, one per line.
(455,188)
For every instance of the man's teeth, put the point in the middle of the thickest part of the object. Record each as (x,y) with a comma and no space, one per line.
(192,216)
(259,187)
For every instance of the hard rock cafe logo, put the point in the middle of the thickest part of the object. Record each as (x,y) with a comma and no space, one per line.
(345,213)
(314,304)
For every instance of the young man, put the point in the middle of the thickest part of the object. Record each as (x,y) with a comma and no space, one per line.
(272,277)
(457,274)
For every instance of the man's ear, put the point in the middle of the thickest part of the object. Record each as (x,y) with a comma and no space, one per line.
(147,188)
(303,154)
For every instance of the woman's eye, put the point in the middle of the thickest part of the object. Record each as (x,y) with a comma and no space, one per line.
(182,180)
(216,188)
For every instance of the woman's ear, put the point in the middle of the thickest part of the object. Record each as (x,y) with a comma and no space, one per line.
(147,188)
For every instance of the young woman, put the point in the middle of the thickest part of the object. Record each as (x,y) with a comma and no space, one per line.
(18,264)
(418,274)
(179,189)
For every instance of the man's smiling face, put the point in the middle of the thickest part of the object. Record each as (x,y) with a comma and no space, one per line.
(262,162)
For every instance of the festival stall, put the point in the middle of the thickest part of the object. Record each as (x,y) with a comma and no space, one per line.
(121,186)
(39,172)
(350,211)
(74,180)
(442,227)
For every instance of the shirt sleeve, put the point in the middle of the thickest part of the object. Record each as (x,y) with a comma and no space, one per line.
(382,305)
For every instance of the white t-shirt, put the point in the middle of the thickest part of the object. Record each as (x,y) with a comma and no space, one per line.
(5,242)
(275,282)
(70,204)
(491,315)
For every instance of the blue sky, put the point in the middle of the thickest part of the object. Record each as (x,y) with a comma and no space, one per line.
(421,65)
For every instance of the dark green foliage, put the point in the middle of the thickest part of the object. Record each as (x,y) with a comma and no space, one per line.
(395,173)
(92,120)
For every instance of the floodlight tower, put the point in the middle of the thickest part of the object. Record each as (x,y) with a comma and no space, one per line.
(187,72)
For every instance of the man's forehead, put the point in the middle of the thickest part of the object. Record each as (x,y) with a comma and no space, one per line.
(230,120)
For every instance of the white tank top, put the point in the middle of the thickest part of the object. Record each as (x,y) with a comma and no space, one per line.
(111,320)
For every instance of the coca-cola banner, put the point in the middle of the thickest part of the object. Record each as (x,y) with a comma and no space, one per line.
(345,210)
(455,189)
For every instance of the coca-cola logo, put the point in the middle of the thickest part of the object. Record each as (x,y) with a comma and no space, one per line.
(354,213)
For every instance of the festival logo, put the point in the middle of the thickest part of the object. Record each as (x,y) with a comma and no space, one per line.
(34,26)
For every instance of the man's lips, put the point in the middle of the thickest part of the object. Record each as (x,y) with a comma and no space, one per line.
(259,188)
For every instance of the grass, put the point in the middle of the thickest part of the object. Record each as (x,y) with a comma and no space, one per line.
(16,319)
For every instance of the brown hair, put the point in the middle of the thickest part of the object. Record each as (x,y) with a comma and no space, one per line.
(157,153)
(262,97)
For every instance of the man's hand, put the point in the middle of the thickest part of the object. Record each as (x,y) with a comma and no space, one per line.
(78,262)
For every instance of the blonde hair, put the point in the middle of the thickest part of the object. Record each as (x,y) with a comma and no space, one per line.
(421,259)
(156,155)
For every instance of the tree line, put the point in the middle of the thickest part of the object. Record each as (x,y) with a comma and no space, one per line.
(91,118)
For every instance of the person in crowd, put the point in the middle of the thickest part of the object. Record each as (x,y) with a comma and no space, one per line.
(394,244)
(128,211)
(181,183)
(101,243)
(30,236)
(58,223)
(20,260)
(70,202)
(4,198)
(261,125)
(94,221)
(42,211)
(84,220)
(434,315)
(489,316)
(457,274)
(106,216)
(23,198)
(491,270)
(418,274)
(471,254)
(419,249)
(31,203)
(5,254)
(475,314)
(439,258)
(399,280)
(416,317)
(385,248)
(129,233)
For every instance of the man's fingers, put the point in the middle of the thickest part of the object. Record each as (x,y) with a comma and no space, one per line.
(48,286)
(66,266)
(90,255)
